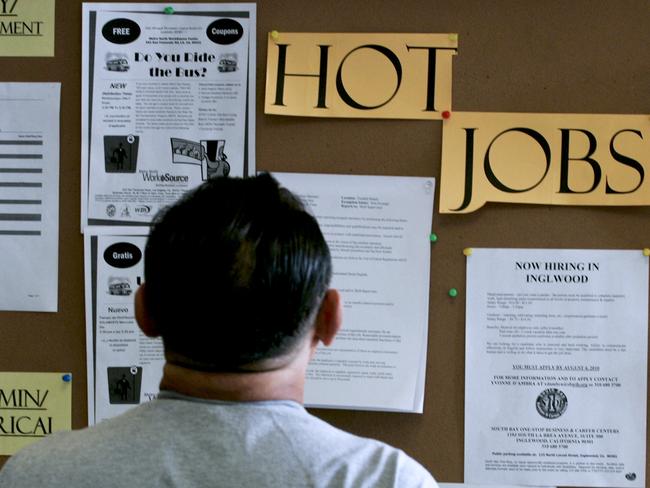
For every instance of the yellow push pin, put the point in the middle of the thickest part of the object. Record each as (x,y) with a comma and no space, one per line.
(646,251)
(275,35)
(453,37)
(467,251)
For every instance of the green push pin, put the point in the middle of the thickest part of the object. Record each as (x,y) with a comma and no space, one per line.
(453,292)
(433,237)
(169,10)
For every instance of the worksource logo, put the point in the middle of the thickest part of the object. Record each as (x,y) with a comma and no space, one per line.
(155,177)
(10,26)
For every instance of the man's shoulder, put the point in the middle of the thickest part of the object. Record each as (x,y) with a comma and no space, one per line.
(41,464)
(263,442)
(71,459)
(344,459)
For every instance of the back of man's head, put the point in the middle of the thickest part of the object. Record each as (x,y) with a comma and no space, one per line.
(234,273)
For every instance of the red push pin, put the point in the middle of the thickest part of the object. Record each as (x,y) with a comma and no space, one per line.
(446,114)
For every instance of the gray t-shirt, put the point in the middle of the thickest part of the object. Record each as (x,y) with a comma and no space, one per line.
(186,442)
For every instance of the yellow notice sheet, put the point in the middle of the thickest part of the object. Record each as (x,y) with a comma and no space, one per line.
(553,159)
(33,406)
(27,28)
(389,76)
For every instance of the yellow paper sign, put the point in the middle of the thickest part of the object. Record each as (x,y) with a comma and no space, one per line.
(32,406)
(395,76)
(27,28)
(556,159)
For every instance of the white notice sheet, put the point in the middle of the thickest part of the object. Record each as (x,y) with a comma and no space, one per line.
(29,196)
(556,367)
(168,101)
(124,366)
(377,229)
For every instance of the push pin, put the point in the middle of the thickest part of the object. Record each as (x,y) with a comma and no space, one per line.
(67,377)
(169,10)
(646,251)
(467,251)
(453,292)
(275,35)
(453,37)
(446,114)
(433,237)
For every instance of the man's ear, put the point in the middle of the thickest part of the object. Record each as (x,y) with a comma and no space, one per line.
(142,317)
(329,318)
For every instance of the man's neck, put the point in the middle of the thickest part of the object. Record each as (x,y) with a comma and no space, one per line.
(283,383)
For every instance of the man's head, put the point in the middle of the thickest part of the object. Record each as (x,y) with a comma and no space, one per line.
(235,273)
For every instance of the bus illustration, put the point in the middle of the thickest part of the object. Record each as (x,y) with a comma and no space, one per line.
(117,64)
(227,64)
(119,286)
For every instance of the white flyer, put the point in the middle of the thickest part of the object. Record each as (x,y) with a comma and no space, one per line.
(168,101)
(556,367)
(377,229)
(124,366)
(29,196)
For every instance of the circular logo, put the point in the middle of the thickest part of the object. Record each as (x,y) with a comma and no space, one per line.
(551,403)
(110,210)
(121,31)
(130,138)
(134,370)
(225,31)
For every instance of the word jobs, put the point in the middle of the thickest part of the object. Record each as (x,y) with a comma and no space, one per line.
(575,149)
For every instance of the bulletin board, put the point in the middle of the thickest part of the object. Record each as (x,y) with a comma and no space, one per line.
(514,56)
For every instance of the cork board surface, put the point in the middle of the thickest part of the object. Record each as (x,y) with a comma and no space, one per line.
(514,56)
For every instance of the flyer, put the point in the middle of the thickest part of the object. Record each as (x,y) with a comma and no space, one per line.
(29,196)
(377,229)
(168,101)
(124,366)
(556,362)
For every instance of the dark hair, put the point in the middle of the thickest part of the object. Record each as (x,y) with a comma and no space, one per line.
(235,272)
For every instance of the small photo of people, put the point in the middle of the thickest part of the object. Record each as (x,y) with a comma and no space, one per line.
(124,385)
(121,153)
